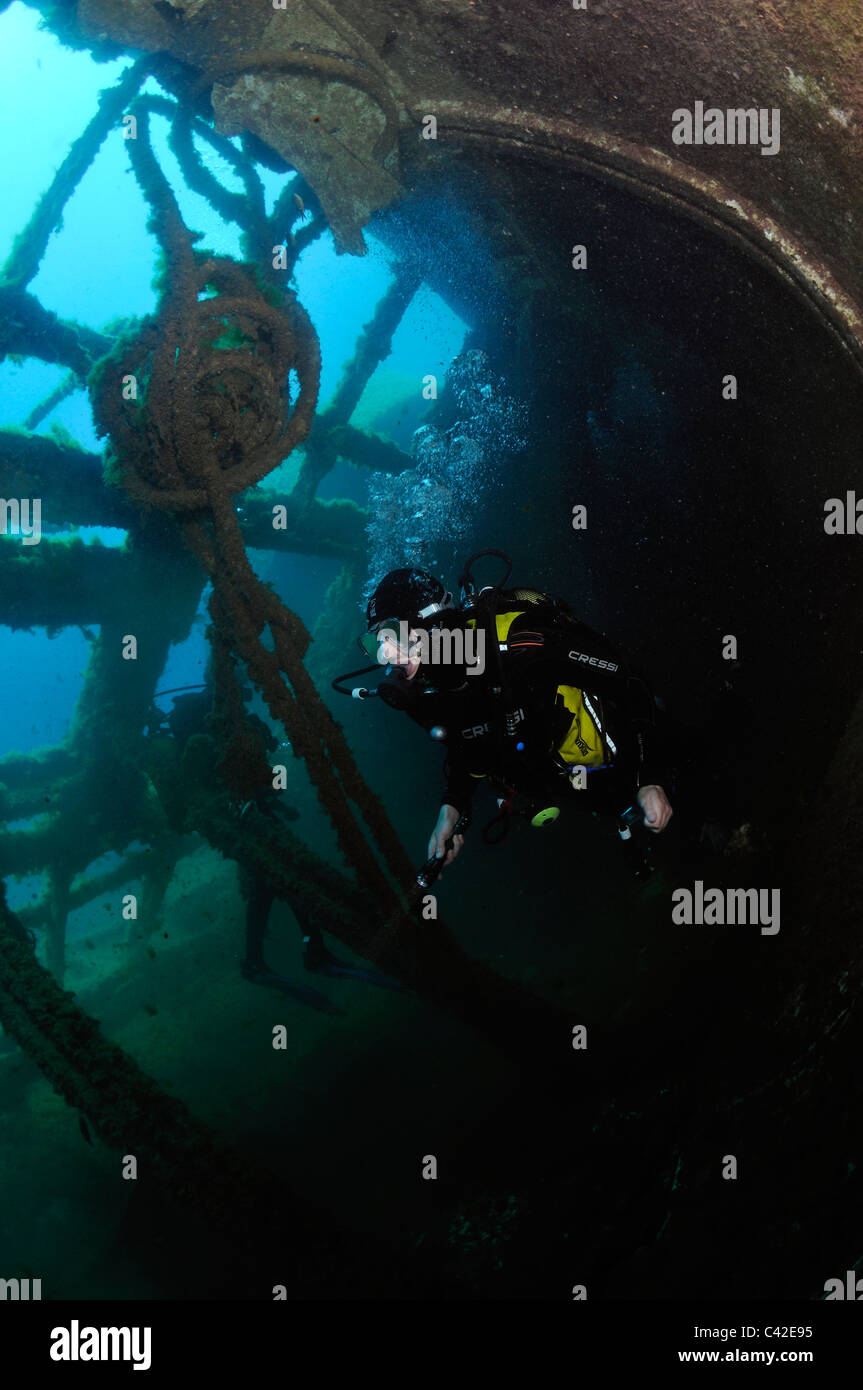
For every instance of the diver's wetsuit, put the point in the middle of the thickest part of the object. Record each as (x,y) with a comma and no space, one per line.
(538,657)
(188,717)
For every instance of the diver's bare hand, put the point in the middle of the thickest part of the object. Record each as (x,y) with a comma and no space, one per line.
(437,842)
(656,807)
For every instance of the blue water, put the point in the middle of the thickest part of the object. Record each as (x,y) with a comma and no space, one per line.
(100,265)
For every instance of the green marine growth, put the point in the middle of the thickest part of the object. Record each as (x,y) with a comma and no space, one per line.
(479,1232)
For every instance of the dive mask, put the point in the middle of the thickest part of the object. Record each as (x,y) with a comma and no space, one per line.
(396,629)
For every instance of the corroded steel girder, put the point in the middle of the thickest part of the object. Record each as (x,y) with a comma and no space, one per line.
(594,88)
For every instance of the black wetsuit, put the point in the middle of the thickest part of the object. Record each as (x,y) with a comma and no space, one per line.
(537,656)
(188,717)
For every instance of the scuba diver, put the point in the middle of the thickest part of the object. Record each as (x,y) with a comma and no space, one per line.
(525,696)
(190,715)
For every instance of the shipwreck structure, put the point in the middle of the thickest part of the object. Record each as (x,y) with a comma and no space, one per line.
(357,102)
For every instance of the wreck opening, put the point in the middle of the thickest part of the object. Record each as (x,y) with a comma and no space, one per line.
(707,499)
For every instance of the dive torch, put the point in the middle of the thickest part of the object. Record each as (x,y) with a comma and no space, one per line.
(430,870)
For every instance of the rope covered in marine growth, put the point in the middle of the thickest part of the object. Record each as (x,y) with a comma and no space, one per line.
(127,1109)
(212,417)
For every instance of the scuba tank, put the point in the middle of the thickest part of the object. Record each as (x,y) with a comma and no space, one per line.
(484,605)
(549,609)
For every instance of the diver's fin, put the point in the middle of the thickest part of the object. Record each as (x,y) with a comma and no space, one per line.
(262,975)
(336,970)
(319,961)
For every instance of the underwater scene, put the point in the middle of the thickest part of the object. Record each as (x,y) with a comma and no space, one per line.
(430,655)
